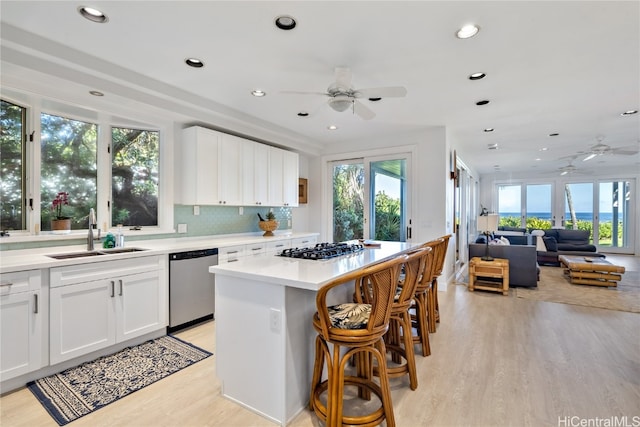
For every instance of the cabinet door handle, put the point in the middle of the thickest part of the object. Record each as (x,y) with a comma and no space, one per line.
(233,260)
(232,252)
(121,287)
(2,285)
(35,303)
(113,289)
(279,246)
(256,249)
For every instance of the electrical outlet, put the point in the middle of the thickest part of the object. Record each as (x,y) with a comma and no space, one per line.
(196,210)
(275,320)
(240,210)
(182,228)
(289,223)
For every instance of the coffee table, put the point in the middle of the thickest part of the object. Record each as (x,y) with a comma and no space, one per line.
(591,270)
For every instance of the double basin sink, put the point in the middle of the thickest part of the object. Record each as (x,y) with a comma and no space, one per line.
(95,253)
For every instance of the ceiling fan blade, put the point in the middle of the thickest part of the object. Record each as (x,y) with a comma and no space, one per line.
(382,92)
(298,92)
(362,110)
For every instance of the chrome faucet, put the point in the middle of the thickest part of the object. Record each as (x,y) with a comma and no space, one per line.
(92,222)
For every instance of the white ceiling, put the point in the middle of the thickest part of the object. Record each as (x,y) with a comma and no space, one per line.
(567,67)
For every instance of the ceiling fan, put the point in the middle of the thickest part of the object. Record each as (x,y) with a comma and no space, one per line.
(600,149)
(343,96)
(569,168)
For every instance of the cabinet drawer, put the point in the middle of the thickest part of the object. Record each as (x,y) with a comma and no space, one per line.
(231,253)
(64,276)
(278,245)
(304,242)
(256,249)
(20,281)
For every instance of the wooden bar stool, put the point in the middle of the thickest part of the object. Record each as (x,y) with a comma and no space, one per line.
(399,339)
(420,317)
(353,329)
(434,308)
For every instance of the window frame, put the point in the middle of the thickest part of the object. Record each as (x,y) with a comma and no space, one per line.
(36,105)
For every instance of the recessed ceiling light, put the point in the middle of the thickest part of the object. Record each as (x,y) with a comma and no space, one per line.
(628,113)
(489,130)
(332,127)
(492,146)
(554,134)
(467,31)
(477,76)
(92,14)
(259,93)
(543,149)
(96,93)
(194,62)
(374,99)
(303,114)
(537,159)
(483,102)
(285,22)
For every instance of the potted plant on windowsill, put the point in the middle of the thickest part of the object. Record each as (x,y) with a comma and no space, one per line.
(268,225)
(60,224)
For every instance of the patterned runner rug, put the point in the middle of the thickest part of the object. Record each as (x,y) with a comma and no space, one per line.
(79,391)
(554,286)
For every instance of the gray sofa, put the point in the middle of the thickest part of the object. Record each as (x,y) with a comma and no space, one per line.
(523,265)
(565,242)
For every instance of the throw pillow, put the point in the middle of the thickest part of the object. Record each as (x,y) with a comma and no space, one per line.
(551,244)
(505,241)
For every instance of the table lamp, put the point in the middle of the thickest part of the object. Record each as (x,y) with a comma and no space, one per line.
(487,224)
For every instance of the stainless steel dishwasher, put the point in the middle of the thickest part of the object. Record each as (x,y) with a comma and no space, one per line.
(191,287)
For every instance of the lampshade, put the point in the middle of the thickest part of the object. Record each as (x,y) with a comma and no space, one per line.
(488,223)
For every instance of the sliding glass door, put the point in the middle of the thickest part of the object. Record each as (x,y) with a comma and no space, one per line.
(614,221)
(604,208)
(370,199)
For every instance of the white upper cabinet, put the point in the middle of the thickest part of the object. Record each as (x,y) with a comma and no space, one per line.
(255,174)
(230,170)
(199,167)
(290,179)
(222,169)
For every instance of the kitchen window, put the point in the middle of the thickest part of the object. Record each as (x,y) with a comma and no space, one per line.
(68,164)
(134,176)
(116,172)
(12,171)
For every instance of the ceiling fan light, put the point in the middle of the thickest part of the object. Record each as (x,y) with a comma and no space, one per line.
(340,103)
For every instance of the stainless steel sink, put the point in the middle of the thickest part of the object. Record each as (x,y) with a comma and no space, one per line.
(95,253)
(76,255)
(121,250)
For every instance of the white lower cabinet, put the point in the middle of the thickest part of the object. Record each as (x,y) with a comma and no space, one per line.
(304,242)
(94,306)
(22,321)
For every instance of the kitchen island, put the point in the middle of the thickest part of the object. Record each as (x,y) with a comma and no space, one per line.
(264,332)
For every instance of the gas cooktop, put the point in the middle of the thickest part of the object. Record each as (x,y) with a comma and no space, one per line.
(322,251)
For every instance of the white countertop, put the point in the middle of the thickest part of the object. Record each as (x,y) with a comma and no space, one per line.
(304,273)
(28,259)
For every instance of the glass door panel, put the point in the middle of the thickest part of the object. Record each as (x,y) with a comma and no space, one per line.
(538,206)
(388,196)
(579,207)
(348,200)
(613,220)
(510,205)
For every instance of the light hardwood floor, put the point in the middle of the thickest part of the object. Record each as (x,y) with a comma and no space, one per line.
(496,361)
